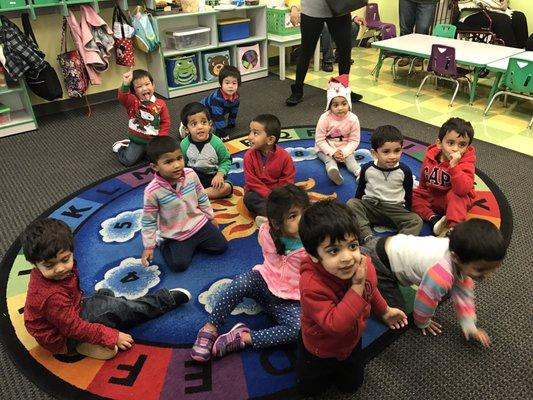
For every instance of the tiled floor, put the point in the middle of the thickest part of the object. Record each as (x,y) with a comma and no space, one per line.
(506,127)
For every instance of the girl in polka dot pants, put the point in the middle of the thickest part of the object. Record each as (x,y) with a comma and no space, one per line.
(273,284)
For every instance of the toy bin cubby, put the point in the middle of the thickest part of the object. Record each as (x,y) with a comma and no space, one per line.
(188,34)
(213,62)
(21,117)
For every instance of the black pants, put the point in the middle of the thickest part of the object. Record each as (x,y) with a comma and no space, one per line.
(255,203)
(340,29)
(314,374)
(513,30)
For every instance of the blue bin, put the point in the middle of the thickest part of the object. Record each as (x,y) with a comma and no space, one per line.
(233,29)
(182,71)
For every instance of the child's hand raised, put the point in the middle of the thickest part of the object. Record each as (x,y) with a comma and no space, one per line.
(127,77)
(434,328)
(147,256)
(124,341)
(478,334)
(394,318)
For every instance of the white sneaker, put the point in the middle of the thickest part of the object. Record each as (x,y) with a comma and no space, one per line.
(260,220)
(119,144)
(440,227)
(335,175)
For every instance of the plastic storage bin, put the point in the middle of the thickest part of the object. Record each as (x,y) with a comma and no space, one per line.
(46,1)
(5,114)
(182,71)
(213,62)
(279,22)
(6,4)
(248,58)
(233,29)
(188,38)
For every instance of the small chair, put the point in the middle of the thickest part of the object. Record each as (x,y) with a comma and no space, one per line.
(372,20)
(388,31)
(518,82)
(444,30)
(442,65)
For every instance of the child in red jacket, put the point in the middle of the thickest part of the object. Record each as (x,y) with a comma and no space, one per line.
(148,116)
(338,290)
(446,190)
(266,165)
(58,316)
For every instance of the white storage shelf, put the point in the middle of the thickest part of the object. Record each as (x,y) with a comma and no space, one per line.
(172,22)
(21,112)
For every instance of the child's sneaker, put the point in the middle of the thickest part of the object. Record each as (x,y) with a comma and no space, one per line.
(260,220)
(440,227)
(231,341)
(180,295)
(119,144)
(335,175)
(201,350)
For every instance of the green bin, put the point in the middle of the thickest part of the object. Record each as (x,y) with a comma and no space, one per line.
(6,4)
(278,22)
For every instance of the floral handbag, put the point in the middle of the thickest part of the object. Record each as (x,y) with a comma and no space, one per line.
(123,33)
(72,67)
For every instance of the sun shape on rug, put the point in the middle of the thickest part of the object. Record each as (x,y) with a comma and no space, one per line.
(105,218)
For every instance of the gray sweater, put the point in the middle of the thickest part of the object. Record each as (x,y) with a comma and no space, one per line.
(316,8)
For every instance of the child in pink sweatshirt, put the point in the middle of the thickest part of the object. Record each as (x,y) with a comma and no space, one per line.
(338,131)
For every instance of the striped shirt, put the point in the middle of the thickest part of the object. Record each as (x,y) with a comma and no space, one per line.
(178,213)
(436,282)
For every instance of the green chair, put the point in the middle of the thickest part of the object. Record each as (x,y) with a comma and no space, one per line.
(517,82)
(444,30)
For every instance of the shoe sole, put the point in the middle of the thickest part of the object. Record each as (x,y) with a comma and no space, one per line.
(440,227)
(184,291)
(335,176)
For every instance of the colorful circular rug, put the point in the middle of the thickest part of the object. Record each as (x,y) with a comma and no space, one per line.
(105,218)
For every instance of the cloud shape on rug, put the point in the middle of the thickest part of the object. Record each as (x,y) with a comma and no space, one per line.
(363,156)
(121,227)
(210,297)
(301,153)
(237,165)
(130,279)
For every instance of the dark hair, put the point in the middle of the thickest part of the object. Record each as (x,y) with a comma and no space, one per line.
(327,219)
(229,70)
(139,74)
(385,133)
(270,123)
(477,239)
(44,238)
(159,146)
(279,203)
(459,125)
(191,109)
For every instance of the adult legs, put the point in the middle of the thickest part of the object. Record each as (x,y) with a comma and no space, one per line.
(340,29)
(407,16)
(519,23)
(326,46)
(425,13)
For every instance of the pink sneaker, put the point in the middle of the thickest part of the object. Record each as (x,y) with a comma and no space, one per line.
(231,341)
(201,350)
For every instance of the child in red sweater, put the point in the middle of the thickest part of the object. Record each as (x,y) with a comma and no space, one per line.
(148,116)
(266,165)
(60,318)
(446,190)
(338,290)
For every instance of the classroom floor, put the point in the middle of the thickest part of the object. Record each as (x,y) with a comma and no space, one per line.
(506,127)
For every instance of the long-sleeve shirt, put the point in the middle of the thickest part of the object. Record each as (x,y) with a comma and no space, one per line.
(261,176)
(147,119)
(280,272)
(436,282)
(208,157)
(52,314)
(219,106)
(178,212)
(333,315)
(334,133)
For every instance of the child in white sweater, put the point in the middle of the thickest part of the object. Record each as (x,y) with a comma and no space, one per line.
(338,131)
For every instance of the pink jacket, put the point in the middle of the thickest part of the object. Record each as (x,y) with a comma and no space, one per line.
(333,133)
(281,273)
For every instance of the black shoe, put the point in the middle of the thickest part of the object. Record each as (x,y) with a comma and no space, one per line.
(356,97)
(296,95)
(327,67)
(180,296)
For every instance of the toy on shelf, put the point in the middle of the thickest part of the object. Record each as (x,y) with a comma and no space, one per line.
(213,62)
(248,58)
(182,71)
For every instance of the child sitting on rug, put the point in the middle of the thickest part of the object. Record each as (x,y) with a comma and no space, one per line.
(385,187)
(204,152)
(224,101)
(266,165)
(474,251)
(57,314)
(177,207)
(337,293)
(338,132)
(273,284)
(148,116)
(446,191)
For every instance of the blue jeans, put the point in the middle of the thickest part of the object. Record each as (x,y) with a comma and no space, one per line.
(327,44)
(252,285)
(417,16)
(120,313)
(131,154)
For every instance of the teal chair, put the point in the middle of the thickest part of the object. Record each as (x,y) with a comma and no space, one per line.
(517,82)
(444,30)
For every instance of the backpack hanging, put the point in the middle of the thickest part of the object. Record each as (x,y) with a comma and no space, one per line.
(72,67)
(145,38)
(122,33)
(46,83)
